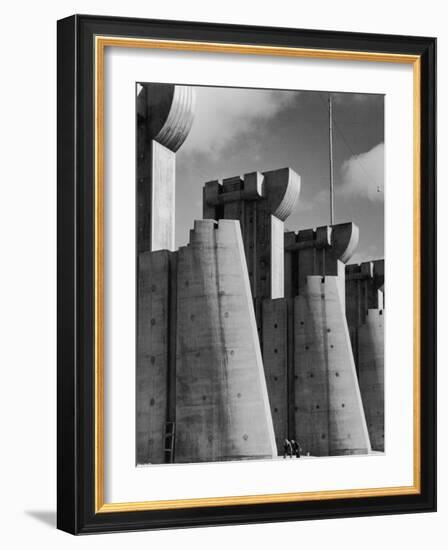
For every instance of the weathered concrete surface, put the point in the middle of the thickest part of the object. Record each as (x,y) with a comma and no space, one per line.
(322,251)
(170,113)
(163,197)
(365,317)
(329,417)
(275,360)
(261,203)
(371,374)
(153,352)
(222,407)
(364,290)
(164,118)
(328,414)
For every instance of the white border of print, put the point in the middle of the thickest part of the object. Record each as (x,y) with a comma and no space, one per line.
(124,482)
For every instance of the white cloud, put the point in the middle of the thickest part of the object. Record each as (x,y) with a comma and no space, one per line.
(223,114)
(363,175)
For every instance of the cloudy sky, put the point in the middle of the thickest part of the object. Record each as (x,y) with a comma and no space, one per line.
(242,130)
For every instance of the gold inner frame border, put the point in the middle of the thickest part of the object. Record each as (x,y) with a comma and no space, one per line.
(100,44)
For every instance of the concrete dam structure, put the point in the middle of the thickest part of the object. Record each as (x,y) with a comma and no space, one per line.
(366,318)
(247,335)
(222,405)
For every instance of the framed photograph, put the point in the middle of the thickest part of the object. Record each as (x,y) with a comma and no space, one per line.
(246,274)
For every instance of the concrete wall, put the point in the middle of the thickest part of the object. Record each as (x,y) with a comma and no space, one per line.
(366,317)
(222,407)
(164,118)
(329,416)
(325,410)
(311,378)
(261,203)
(153,355)
(371,374)
(275,359)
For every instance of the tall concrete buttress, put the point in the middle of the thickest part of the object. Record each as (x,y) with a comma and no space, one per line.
(328,412)
(261,202)
(308,361)
(366,317)
(164,118)
(222,407)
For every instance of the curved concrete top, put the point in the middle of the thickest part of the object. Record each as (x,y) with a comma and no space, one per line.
(282,190)
(169,112)
(344,240)
(373,269)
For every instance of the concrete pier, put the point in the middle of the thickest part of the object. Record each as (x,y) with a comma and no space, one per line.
(366,318)
(222,407)
(275,359)
(154,354)
(247,335)
(329,417)
(164,118)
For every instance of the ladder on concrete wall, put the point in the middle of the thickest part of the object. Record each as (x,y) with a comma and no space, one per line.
(170,429)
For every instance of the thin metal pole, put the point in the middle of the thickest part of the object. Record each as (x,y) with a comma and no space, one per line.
(330,140)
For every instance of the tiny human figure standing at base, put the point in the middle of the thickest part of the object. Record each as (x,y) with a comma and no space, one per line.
(296,448)
(287,448)
(293,446)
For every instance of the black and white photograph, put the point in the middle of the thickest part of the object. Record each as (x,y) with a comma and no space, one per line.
(260,291)
(207,210)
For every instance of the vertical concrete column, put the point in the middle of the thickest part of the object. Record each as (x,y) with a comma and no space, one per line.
(153,355)
(328,414)
(220,387)
(164,118)
(366,317)
(364,290)
(261,203)
(275,359)
(371,374)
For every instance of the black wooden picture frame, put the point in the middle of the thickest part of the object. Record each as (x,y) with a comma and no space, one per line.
(79,508)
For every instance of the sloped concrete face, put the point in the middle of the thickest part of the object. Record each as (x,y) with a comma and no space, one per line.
(329,417)
(163,170)
(222,407)
(324,392)
(366,318)
(371,374)
(275,359)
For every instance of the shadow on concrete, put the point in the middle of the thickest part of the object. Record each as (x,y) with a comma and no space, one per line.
(48,517)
